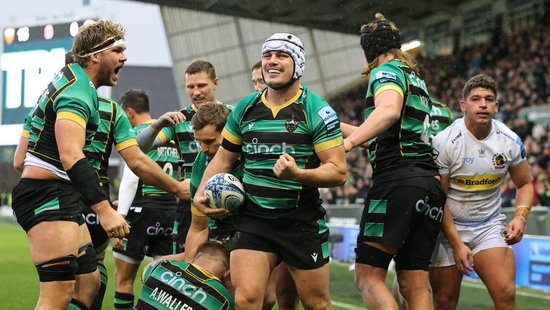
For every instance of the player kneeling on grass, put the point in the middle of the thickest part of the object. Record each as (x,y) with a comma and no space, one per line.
(173,284)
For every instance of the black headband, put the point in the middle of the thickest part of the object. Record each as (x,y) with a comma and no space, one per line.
(379,41)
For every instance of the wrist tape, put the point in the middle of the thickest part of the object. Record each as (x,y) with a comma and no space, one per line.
(85,179)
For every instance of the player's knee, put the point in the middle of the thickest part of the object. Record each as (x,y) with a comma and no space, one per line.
(248,298)
(317,302)
(506,295)
(445,300)
(58,269)
(87,260)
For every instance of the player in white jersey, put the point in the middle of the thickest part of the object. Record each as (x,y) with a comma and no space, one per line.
(474,155)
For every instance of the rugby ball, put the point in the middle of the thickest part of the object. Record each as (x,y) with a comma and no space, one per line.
(224,190)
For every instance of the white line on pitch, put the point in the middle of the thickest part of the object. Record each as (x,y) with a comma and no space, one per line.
(344,305)
(526,294)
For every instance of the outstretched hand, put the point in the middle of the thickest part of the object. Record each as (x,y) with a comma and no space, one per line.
(169,119)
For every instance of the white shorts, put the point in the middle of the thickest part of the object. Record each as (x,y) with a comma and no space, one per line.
(487,235)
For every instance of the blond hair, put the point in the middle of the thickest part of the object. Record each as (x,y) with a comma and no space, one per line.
(91,35)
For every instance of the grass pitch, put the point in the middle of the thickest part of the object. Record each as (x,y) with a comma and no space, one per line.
(20,282)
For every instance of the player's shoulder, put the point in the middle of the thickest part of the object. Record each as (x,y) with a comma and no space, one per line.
(502,131)
(387,72)
(453,134)
(310,98)
(249,100)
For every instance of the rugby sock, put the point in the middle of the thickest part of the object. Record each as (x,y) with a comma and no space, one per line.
(76,305)
(104,276)
(124,301)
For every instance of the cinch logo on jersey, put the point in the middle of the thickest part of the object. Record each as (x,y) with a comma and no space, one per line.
(177,282)
(479,182)
(158,230)
(435,213)
(255,148)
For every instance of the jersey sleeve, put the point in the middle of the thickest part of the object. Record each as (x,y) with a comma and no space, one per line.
(123,133)
(441,154)
(166,134)
(519,155)
(149,269)
(386,77)
(27,125)
(231,133)
(325,126)
(75,109)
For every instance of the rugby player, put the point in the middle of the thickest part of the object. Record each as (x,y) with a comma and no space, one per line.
(148,209)
(201,83)
(174,284)
(291,144)
(47,201)
(395,224)
(474,156)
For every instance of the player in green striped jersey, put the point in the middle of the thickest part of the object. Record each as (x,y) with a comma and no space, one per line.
(290,140)
(403,213)
(172,284)
(152,210)
(441,117)
(56,175)
(201,83)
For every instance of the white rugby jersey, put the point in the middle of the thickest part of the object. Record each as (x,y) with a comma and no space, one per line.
(476,168)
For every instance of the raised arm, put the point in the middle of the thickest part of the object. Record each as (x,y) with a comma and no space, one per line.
(150,172)
(387,111)
(147,138)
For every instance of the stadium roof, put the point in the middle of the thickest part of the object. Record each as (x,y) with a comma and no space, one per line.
(336,15)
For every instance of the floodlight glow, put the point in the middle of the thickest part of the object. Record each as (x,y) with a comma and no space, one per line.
(73,28)
(48,32)
(410,45)
(9,36)
(23,34)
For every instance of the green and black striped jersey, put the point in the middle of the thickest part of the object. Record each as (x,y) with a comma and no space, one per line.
(166,156)
(441,116)
(302,127)
(182,135)
(114,128)
(71,95)
(175,285)
(403,150)
(26,132)
(216,227)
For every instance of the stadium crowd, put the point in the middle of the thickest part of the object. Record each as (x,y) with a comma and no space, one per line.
(522,74)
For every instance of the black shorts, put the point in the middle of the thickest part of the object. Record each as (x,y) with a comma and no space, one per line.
(150,232)
(182,221)
(405,214)
(36,201)
(301,244)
